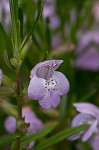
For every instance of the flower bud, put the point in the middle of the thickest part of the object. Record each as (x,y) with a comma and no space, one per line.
(16,63)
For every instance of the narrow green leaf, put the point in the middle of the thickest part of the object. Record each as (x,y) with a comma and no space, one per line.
(13,146)
(48,35)
(5,93)
(18,33)
(34,25)
(6,58)
(39,134)
(9,139)
(8,108)
(88,96)
(46,56)
(35,41)
(8,82)
(20,17)
(59,137)
(6,140)
(24,50)
(6,38)
(14,18)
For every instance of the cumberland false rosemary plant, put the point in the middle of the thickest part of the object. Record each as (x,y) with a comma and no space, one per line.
(46,85)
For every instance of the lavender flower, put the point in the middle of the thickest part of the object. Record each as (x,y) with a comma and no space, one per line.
(5,13)
(47,85)
(87,51)
(30,117)
(89,114)
(49,11)
(10,124)
(95,11)
(0,76)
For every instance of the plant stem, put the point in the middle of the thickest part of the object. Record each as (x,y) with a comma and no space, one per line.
(19,104)
(18,142)
(18,89)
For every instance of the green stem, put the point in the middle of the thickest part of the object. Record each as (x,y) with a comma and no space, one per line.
(19,104)
(18,143)
(18,89)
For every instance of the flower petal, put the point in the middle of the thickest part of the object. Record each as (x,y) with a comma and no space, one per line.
(45,101)
(80,119)
(28,114)
(74,137)
(36,88)
(35,125)
(87,108)
(40,68)
(10,124)
(44,72)
(88,133)
(31,145)
(62,82)
(50,99)
(55,99)
(30,117)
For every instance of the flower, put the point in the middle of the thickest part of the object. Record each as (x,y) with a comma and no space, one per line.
(95,11)
(89,114)
(49,11)
(47,85)
(0,76)
(5,13)
(30,117)
(10,124)
(87,51)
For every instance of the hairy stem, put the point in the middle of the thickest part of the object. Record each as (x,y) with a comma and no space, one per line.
(19,104)
(18,89)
